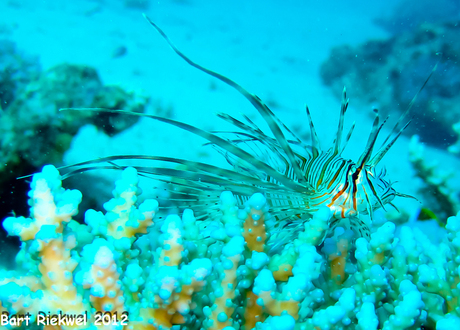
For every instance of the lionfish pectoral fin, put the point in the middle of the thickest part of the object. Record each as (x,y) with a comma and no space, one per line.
(370,178)
(407,196)
(394,206)
(370,209)
(264,111)
(222,143)
(297,139)
(379,200)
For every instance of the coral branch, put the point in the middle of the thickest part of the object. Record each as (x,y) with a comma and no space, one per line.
(228,272)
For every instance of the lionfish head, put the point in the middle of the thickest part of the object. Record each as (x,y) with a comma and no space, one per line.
(375,190)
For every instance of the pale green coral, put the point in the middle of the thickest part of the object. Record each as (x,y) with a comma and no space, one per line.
(221,273)
(437,192)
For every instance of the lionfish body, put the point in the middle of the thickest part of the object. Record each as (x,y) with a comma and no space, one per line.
(297,179)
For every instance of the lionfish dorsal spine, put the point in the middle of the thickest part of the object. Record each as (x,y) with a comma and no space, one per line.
(385,148)
(347,139)
(343,110)
(367,154)
(315,146)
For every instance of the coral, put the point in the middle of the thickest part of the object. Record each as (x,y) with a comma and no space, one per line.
(146,272)
(16,71)
(36,110)
(387,74)
(409,14)
(436,191)
(137,4)
(114,97)
(455,148)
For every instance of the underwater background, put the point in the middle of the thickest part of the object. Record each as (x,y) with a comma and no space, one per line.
(103,53)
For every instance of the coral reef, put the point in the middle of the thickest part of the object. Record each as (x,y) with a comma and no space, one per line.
(388,73)
(437,193)
(32,130)
(144,272)
(16,71)
(455,148)
(137,4)
(409,14)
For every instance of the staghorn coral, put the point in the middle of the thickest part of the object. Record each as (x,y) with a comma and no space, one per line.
(221,273)
(436,191)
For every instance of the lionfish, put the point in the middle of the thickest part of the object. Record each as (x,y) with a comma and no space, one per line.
(296,179)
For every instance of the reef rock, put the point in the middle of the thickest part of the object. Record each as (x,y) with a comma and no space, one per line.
(33,131)
(387,74)
(407,15)
(16,71)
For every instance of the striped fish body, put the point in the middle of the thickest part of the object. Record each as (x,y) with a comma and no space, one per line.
(345,190)
(296,178)
(329,180)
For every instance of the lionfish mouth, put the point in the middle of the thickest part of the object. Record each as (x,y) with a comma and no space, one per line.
(296,178)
